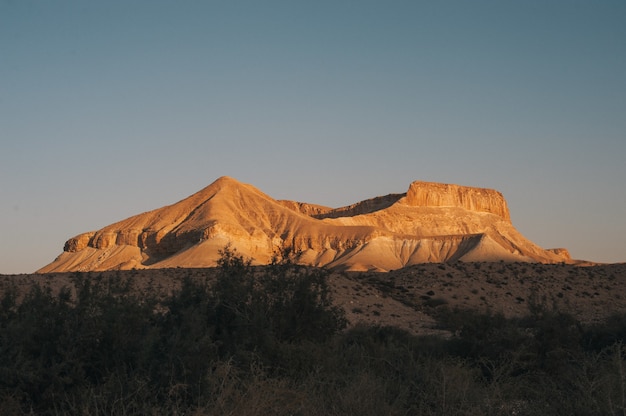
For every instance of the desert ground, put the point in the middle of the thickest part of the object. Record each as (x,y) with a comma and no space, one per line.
(411,298)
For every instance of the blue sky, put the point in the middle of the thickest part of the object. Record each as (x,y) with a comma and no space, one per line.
(112,108)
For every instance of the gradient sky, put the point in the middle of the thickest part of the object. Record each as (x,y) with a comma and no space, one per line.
(112,108)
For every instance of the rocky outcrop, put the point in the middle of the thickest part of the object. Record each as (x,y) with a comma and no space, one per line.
(78,243)
(430,194)
(363,207)
(431,222)
(311,210)
(561,252)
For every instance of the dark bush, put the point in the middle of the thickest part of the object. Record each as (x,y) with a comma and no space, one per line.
(104,342)
(268,340)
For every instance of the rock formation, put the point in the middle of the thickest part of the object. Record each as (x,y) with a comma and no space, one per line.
(427,194)
(431,222)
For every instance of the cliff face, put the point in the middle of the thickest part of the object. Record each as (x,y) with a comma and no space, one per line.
(430,194)
(431,222)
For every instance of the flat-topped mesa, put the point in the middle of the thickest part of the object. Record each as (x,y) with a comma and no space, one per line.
(432,194)
(431,222)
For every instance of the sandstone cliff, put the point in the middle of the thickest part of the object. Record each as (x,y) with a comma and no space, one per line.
(427,194)
(431,222)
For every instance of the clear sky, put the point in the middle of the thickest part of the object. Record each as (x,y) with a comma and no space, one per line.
(112,108)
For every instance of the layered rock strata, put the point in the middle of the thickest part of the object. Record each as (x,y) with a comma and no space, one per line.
(431,222)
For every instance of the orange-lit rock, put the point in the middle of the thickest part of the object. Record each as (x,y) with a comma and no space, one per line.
(429,194)
(432,222)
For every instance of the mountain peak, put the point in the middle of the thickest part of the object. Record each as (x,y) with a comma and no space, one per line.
(226,180)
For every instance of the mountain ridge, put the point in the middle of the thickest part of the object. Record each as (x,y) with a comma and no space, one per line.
(431,222)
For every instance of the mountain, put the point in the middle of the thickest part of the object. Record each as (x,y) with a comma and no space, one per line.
(431,222)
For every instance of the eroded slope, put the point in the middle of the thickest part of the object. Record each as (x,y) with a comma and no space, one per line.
(429,223)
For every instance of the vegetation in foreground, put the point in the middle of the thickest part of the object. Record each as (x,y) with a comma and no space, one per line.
(255,343)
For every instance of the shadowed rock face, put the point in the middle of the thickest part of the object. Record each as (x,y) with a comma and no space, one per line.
(364,207)
(431,222)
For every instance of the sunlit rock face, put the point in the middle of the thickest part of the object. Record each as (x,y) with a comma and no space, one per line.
(78,243)
(431,222)
(429,194)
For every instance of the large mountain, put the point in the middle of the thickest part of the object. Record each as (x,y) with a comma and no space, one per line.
(431,222)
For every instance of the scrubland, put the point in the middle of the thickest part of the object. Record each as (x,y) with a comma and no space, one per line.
(457,338)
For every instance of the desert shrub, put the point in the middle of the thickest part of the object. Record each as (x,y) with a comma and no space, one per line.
(481,335)
(186,347)
(599,336)
(248,317)
(281,303)
(435,302)
(104,347)
(269,341)
(55,344)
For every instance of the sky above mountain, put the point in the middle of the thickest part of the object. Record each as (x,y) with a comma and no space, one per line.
(109,109)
